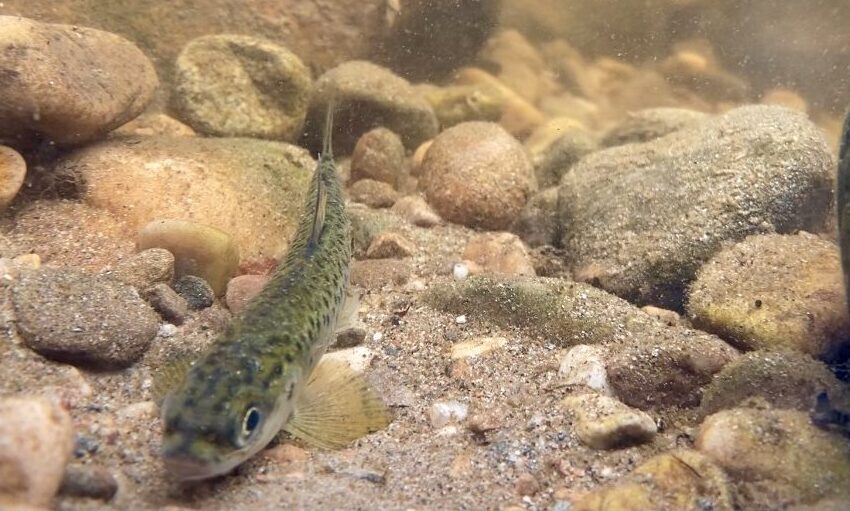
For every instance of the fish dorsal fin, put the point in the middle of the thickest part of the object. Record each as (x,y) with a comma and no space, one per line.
(325,159)
(336,407)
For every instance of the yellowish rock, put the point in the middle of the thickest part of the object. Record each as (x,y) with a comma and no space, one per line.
(13,170)
(390,245)
(152,124)
(603,422)
(774,292)
(416,211)
(198,250)
(682,480)
(477,347)
(519,117)
(500,252)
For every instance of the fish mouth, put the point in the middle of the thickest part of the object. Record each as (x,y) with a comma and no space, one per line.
(185,468)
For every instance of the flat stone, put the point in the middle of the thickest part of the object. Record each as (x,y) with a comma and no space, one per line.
(144,269)
(170,305)
(603,422)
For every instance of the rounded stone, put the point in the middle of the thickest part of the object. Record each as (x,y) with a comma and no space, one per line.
(68,84)
(367,96)
(13,170)
(378,155)
(144,269)
(375,194)
(477,175)
(200,250)
(242,289)
(196,291)
(498,252)
(36,441)
(237,85)
(79,318)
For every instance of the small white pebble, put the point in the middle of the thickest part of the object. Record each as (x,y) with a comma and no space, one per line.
(460,320)
(445,412)
(460,271)
(377,336)
(167,330)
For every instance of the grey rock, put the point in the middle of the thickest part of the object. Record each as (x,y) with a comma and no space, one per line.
(538,223)
(170,305)
(640,219)
(196,291)
(652,123)
(89,482)
(80,318)
(144,269)
(561,155)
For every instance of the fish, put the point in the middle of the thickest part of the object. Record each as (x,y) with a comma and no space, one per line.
(828,417)
(264,373)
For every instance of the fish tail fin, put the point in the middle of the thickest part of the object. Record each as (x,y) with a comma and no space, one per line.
(336,407)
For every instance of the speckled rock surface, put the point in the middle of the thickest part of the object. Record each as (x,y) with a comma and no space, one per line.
(682,480)
(79,318)
(652,123)
(483,154)
(368,96)
(378,155)
(754,169)
(36,440)
(785,379)
(144,269)
(98,81)
(13,169)
(375,194)
(602,422)
(774,292)
(778,448)
(537,223)
(251,189)
(241,86)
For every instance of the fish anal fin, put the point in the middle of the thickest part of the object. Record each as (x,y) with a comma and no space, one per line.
(336,407)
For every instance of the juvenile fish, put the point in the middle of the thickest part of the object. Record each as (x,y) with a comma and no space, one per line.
(261,374)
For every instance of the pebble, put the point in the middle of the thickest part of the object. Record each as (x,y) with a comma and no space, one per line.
(603,422)
(454,104)
(416,211)
(199,250)
(526,485)
(443,413)
(460,271)
(390,245)
(477,347)
(351,337)
(668,317)
(196,291)
(368,96)
(13,170)
(378,155)
(584,365)
(146,179)
(167,330)
(461,320)
(379,273)
(776,168)
(785,379)
(88,482)
(681,480)
(152,124)
(761,294)
(375,194)
(482,423)
(170,305)
(96,80)
(358,358)
(476,174)
(780,448)
(241,86)
(499,252)
(144,269)
(80,318)
(286,453)
(243,289)
(36,441)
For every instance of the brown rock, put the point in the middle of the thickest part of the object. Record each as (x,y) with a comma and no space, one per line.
(144,269)
(477,175)
(416,211)
(151,125)
(378,155)
(526,485)
(97,82)
(170,305)
(499,253)
(375,194)
(390,245)
(13,170)
(242,289)
(378,273)
(36,440)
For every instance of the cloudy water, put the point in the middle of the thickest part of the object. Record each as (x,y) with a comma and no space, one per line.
(597,248)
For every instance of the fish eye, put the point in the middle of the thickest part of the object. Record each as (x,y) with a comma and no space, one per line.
(251,422)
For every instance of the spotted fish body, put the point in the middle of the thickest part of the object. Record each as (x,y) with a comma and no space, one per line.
(240,394)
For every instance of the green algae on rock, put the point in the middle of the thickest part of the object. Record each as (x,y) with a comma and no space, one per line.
(241,86)
(96,80)
(785,379)
(762,294)
(247,188)
(681,480)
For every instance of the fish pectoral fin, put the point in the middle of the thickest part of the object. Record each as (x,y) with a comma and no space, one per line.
(336,407)
(169,376)
(350,308)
